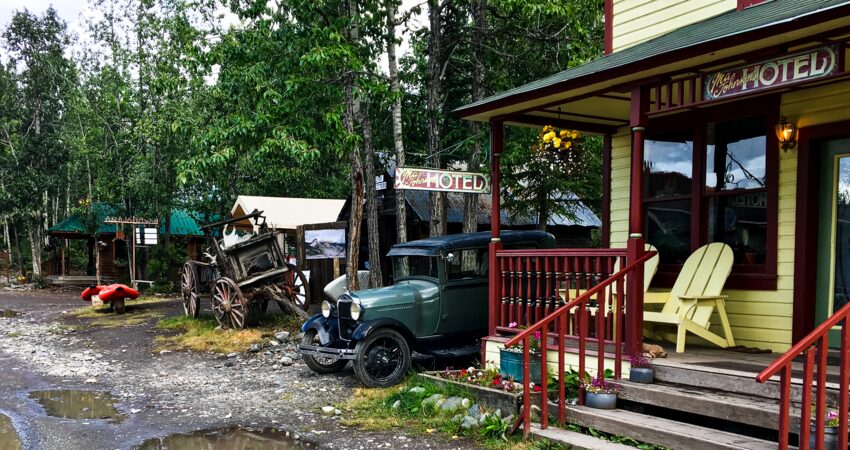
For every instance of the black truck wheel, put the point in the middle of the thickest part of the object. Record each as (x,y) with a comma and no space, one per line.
(320,365)
(383,358)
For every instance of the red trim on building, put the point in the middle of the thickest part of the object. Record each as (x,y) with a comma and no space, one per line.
(605,231)
(806,228)
(609,26)
(747,3)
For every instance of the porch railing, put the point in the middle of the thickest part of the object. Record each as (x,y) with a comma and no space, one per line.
(571,320)
(814,349)
(534,283)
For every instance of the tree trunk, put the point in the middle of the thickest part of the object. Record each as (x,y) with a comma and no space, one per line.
(398,142)
(18,254)
(470,207)
(352,110)
(35,249)
(438,199)
(375,275)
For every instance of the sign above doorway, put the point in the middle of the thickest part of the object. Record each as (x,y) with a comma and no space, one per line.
(441,180)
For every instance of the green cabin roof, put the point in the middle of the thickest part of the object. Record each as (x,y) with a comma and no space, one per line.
(183,223)
(717,28)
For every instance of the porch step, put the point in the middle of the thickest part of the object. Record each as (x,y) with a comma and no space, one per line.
(665,432)
(731,381)
(575,441)
(746,409)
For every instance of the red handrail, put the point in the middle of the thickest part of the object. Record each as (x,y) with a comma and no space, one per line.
(561,313)
(814,345)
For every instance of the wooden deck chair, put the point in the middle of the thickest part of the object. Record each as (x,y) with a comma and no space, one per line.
(649,269)
(696,296)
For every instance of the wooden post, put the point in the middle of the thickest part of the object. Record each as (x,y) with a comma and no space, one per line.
(336,268)
(635,246)
(497,144)
(133,263)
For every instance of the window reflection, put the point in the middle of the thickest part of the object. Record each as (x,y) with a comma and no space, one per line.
(668,162)
(735,155)
(842,235)
(668,228)
(740,221)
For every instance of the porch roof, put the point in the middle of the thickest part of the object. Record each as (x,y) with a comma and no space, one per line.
(712,41)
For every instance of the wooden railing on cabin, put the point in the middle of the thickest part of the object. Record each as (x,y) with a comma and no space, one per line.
(536,282)
(814,349)
(572,320)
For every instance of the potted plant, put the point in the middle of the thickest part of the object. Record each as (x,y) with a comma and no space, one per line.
(641,369)
(600,393)
(510,359)
(830,430)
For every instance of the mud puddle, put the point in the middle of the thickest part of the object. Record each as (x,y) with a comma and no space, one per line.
(8,313)
(8,437)
(73,404)
(227,439)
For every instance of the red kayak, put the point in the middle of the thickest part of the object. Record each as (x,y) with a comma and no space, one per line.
(109,293)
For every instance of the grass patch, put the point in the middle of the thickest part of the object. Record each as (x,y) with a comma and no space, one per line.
(201,334)
(371,409)
(103,317)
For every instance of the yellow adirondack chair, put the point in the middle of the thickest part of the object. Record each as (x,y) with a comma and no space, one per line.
(695,296)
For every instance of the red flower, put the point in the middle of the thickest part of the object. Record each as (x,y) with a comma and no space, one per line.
(537,388)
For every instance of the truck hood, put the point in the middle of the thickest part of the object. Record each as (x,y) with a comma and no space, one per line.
(402,293)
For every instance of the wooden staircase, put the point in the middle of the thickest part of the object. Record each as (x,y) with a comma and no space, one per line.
(692,407)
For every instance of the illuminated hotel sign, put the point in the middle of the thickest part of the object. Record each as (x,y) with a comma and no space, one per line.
(803,66)
(441,180)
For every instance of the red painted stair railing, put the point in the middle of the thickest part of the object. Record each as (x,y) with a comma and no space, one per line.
(813,349)
(571,322)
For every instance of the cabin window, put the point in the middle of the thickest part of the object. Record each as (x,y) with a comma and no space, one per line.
(708,178)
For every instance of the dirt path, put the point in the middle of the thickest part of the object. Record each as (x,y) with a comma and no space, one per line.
(161,394)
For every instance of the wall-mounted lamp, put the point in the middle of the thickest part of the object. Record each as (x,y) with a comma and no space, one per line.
(786,132)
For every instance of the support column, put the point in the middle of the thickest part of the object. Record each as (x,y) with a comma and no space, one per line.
(497,145)
(635,247)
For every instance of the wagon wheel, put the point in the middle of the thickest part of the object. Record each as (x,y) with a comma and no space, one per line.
(295,287)
(189,290)
(230,307)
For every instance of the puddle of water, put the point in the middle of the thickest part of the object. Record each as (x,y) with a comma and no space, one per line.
(228,439)
(71,404)
(8,437)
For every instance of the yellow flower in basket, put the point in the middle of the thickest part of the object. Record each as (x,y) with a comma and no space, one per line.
(563,133)
(556,142)
(548,136)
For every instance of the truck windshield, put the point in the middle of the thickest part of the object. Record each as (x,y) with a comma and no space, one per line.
(414,266)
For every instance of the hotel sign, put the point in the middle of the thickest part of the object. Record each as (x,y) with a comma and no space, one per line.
(441,180)
(803,66)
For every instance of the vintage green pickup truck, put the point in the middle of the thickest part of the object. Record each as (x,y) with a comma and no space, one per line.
(437,306)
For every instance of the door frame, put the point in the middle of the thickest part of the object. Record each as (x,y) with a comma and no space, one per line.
(806,224)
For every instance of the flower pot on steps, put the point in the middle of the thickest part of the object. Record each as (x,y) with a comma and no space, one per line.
(600,400)
(641,375)
(830,437)
(510,365)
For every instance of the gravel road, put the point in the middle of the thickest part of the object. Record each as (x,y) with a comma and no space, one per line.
(164,393)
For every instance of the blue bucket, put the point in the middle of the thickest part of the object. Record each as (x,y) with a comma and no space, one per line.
(510,365)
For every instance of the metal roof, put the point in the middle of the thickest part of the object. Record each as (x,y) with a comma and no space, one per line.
(183,223)
(717,28)
(288,213)
(433,245)
(420,203)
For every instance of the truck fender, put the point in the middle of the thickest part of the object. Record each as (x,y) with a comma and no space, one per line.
(364,329)
(323,326)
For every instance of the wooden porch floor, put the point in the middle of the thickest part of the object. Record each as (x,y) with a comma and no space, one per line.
(730,362)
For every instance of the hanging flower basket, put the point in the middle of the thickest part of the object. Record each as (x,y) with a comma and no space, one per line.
(559,147)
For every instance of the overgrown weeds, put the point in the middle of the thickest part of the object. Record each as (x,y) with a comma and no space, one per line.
(203,335)
(136,315)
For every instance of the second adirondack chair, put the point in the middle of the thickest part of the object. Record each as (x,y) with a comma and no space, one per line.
(695,296)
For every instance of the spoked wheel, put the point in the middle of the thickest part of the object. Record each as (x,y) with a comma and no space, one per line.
(318,364)
(230,307)
(383,358)
(295,287)
(189,290)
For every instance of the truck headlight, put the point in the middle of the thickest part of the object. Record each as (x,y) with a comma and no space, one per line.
(356,309)
(326,309)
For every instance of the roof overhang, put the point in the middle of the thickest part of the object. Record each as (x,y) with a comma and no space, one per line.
(599,101)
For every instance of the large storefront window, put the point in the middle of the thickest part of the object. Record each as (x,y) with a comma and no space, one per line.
(708,182)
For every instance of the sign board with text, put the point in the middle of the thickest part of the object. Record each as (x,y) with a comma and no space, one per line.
(794,68)
(441,180)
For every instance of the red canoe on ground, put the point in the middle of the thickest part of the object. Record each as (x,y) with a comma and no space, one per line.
(109,293)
